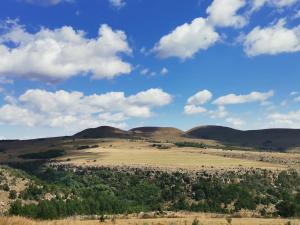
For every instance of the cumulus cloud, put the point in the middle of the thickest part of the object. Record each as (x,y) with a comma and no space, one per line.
(151,97)
(240,99)
(194,102)
(200,98)
(193,109)
(75,110)
(187,39)
(272,40)
(117,3)
(223,13)
(58,54)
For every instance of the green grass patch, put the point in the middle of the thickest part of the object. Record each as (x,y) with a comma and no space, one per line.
(44,155)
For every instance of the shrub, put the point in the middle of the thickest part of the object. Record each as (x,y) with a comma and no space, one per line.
(43,155)
(12,194)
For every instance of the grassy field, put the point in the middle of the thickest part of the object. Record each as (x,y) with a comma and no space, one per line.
(139,153)
(143,154)
(188,220)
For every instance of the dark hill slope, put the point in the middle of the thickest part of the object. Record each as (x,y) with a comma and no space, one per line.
(103,132)
(267,139)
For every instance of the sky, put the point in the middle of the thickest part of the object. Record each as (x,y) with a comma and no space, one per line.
(67,65)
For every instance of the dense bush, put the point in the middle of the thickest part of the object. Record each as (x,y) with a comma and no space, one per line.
(109,191)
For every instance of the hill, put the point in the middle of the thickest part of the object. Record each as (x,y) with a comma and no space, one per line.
(156,132)
(103,132)
(266,139)
(139,132)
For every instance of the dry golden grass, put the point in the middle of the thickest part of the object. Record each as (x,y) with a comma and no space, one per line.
(161,221)
(142,154)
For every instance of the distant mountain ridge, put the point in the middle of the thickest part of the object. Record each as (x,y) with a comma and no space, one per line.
(265,139)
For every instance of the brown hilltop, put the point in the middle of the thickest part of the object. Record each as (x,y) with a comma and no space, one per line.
(103,132)
(144,132)
(156,132)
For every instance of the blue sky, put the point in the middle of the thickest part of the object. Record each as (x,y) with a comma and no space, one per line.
(66,65)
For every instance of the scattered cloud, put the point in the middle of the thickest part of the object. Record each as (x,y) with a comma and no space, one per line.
(117,3)
(297,99)
(75,110)
(235,121)
(297,15)
(58,54)
(289,119)
(223,13)
(240,99)
(257,4)
(193,109)
(220,113)
(47,2)
(293,93)
(187,39)
(164,71)
(194,102)
(145,71)
(272,40)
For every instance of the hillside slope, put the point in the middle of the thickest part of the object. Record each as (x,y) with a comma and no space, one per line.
(103,132)
(266,139)
(158,132)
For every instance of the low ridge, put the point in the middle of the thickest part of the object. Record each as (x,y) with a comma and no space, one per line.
(156,131)
(102,132)
(265,139)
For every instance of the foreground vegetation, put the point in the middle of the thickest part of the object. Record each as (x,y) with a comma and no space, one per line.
(188,219)
(99,191)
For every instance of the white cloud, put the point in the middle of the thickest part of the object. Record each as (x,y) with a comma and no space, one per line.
(164,71)
(240,99)
(193,109)
(289,119)
(151,97)
(297,15)
(220,113)
(75,111)
(235,121)
(46,2)
(257,4)
(117,3)
(272,40)
(187,39)
(297,99)
(200,98)
(16,115)
(293,93)
(145,71)
(55,55)
(223,13)
(194,102)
